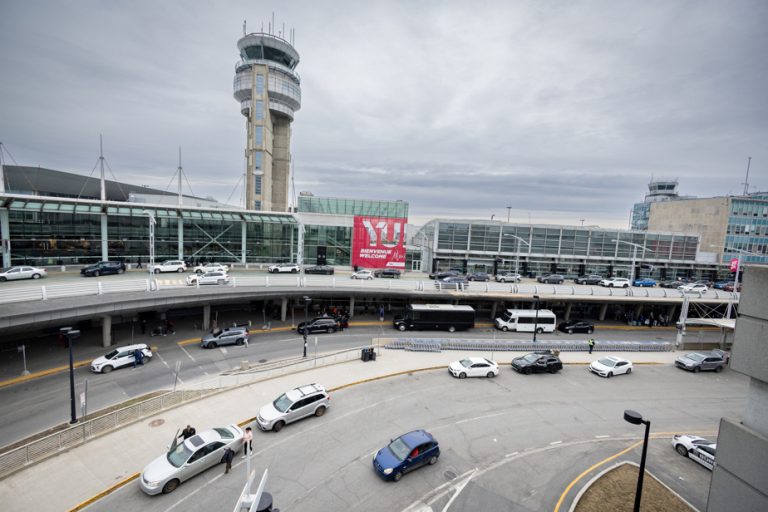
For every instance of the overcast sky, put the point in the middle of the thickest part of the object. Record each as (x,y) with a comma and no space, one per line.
(563,110)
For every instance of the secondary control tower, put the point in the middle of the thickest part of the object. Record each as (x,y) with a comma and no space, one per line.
(269,91)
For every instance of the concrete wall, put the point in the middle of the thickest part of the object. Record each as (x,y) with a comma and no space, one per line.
(740,478)
(281,163)
(706,217)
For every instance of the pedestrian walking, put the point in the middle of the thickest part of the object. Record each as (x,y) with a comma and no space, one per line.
(137,357)
(139,263)
(229,454)
(591,343)
(381,313)
(247,441)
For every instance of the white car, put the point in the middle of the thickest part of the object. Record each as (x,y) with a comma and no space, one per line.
(693,288)
(208,278)
(283,268)
(697,448)
(474,367)
(10,274)
(189,457)
(298,403)
(121,356)
(610,365)
(615,282)
(170,266)
(362,274)
(211,267)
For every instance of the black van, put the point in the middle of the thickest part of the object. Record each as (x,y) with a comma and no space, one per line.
(435,317)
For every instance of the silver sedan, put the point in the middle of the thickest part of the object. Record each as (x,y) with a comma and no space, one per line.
(23,272)
(188,458)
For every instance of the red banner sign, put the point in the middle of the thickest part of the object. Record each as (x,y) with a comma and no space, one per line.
(379,242)
(734,264)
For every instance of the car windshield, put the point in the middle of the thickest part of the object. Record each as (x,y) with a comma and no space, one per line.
(399,449)
(179,455)
(506,316)
(466,363)
(607,362)
(531,358)
(282,403)
(224,433)
(696,357)
(111,354)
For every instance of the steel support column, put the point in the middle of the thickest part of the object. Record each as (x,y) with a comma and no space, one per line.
(104,238)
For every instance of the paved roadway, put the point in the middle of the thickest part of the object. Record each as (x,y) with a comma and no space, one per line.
(36,405)
(510,443)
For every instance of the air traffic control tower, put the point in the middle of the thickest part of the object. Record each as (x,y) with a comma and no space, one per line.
(269,92)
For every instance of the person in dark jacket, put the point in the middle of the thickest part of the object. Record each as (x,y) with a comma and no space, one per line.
(229,454)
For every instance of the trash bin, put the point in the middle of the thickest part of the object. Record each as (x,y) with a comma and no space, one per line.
(367,354)
(372,354)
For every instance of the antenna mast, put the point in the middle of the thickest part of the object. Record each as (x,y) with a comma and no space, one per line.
(746,180)
(179,170)
(2,172)
(101,166)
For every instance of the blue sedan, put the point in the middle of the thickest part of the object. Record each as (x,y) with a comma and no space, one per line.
(644,281)
(406,453)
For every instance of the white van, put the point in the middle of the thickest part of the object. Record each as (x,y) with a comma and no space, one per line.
(525,320)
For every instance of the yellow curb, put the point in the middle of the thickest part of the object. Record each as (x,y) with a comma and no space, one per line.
(44,373)
(105,492)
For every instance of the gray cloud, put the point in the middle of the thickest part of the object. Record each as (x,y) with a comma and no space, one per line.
(563,111)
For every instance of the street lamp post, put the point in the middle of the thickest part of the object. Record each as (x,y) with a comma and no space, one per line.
(151,265)
(307,300)
(517,254)
(634,257)
(71,335)
(509,210)
(636,418)
(536,319)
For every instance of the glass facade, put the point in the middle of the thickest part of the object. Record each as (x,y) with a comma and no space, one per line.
(338,206)
(337,241)
(747,229)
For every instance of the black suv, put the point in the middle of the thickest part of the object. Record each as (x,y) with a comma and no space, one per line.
(319,269)
(319,325)
(537,363)
(590,279)
(551,279)
(103,268)
(387,272)
(444,274)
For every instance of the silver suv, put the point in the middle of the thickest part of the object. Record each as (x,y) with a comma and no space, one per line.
(229,336)
(293,405)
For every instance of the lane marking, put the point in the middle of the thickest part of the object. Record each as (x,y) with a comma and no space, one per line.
(188,354)
(223,350)
(162,360)
(602,436)
(511,454)
(458,490)
(482,417)
(553,443)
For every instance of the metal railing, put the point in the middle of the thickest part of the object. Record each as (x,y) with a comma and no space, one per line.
(103,287)
(437,345)
(19,458)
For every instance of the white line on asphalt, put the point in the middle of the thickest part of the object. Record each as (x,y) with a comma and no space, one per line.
(553,443)
(188,354)
(161,359)
(223,351)
(602,436)
(459,488)
(481,417)
(511,454)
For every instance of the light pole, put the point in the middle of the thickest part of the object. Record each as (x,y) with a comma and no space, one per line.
(517,255)
(536,319)
(307,300)
(636,418)
(151,266)
(729,308)
(71,335)
(509,210)
(634,257)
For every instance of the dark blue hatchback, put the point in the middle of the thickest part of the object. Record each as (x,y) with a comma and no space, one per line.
(406,453)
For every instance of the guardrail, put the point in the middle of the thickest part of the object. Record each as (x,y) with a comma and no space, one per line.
(437,345)
(103,287)
(53,444)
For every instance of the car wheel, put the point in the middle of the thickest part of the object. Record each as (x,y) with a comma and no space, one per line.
(682,450)
(144,360)
(370,277)
(213,344)
(320,411)
(180,270)
(219,281)
(120,271)
(610,374)
(170,486)
(35,276)
(293,271)
(198,272)
(629,370)
(718,369)
(401,327)
(610,285)
(332,329)
(277,426)
(570,331)
(451,329)
(3,279)
(462,375)
(696,369)
(239,342)
(433,460)
(157,271)
(540,330)
(505,328)
(96,274)
(527,371)
(106,369)
(490,375)
(397,476)
(590,330)
(625,286)
(502,280)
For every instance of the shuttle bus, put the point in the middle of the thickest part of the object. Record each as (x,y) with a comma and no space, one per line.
(435,317)
(526,320)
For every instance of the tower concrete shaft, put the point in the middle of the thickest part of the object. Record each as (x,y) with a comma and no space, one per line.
(269,92)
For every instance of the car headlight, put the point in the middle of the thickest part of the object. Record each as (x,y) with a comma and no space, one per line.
(151,483)
(388,471)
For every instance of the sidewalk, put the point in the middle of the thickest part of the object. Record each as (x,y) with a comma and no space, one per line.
(97,465)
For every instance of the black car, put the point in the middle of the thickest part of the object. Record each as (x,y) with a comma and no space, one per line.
(572,326)
(387,272)
(103,268)
(319,269)
(479,276)
(452,283)
(537,363)
(551,279)
(443,274)
(588,279)
(325,324)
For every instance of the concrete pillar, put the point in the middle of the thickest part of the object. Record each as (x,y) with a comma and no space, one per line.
(206,317)
(243,240)
(283,309)
(603,311)
(351,307)
(104,238)
(5,235)
(106,331)
(181,238)
(671,314)
(568,311)
(493,309)
(638,311)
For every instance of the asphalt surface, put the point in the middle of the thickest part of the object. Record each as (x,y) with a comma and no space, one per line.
(510,443)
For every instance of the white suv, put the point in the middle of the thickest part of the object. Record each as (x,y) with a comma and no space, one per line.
(210,267)
(615,282)
(170,266)
(284,267)
(293,405)
(121,356)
